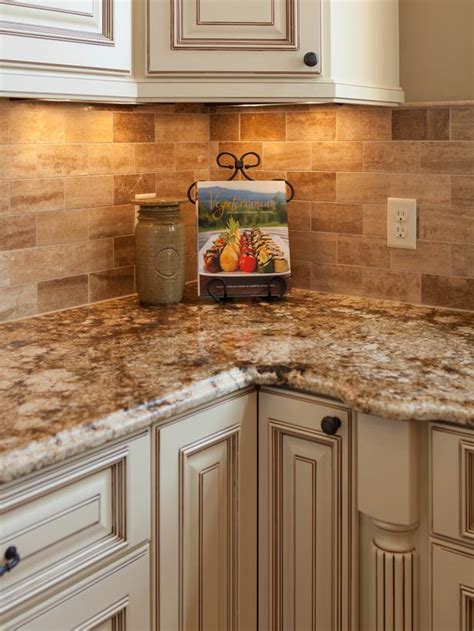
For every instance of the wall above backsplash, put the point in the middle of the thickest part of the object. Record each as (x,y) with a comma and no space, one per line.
(68,172)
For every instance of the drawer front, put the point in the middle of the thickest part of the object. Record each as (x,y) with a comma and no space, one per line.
(452,475)
(63,521)
(452,598)
(116,598)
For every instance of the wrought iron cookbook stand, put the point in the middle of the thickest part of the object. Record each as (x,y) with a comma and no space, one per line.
(217,288)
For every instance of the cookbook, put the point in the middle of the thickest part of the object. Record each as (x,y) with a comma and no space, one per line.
(242,237)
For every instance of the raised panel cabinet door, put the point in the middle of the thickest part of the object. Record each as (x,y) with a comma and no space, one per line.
(84,35)
(117,598)
(452,597)
(233,36)
(207,519)
(305,516)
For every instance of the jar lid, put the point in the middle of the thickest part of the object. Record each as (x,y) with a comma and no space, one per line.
(157,202)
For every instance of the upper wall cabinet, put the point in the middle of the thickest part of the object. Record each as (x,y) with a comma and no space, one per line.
(272,50)
(42,42)
(244,51)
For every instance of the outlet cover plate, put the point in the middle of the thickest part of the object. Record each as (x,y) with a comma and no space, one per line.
(401,223)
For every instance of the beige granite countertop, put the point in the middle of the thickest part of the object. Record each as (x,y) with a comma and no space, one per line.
(80,378)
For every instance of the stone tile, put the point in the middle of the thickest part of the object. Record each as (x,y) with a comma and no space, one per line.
(4,269)
(4,196)
(18,161)
(363,251)
(225,127)
(447,224)
(299,215)
(354,123)
(429,257)
(316,247)
(336,156)
(90,191)
(181,127)
(462,123)
(312,125)
(403,286)
(174,184)
(463,259)
(300,274)
(314,186)
(112,283)
(36,123)
(420,124)
(111,221)
(374,220)
(191,155)
(112,159)
(337,279)
(88,125)
(463,191)
(4,121)
(363,188)
(426,189)
(63,293)
(59,160)
(17,302)
(124,251)
(151,157)
(391,157)
(333,217)
(292,156)
(191,108)
(134,127)
(64,226)
(447,157)
(127,186)
(59,261)
(269,126)
(36,195)
(447,291)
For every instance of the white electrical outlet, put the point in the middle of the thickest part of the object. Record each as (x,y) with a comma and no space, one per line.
(401,223)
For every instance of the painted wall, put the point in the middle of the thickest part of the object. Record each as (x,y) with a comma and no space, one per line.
(437,50)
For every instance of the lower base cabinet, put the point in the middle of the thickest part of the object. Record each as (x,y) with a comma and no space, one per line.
(207,519)
(115,598)
(306,524)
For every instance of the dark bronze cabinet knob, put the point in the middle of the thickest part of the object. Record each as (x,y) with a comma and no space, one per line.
(330,425)
(311,59)
(12,557)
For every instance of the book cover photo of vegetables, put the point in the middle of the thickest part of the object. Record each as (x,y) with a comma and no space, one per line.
(242,237)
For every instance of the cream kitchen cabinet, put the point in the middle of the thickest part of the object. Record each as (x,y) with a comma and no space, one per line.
(244,51)
(66,48)
(307,525)
(206,519)
(272,50)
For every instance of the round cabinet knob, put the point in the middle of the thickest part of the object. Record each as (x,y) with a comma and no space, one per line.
(311,59)
(12,557)
(330,425)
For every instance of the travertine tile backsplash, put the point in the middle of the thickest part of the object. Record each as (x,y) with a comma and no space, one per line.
(68,172)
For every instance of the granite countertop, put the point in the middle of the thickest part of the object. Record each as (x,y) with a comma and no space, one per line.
(79,378)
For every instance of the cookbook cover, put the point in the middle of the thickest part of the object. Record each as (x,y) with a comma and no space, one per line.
(242,237)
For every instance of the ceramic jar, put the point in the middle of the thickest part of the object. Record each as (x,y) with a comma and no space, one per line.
(159,252)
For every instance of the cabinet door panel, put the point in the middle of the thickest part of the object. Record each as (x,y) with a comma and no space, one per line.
(89,35)
(280,30)
(305,516)
(207,519)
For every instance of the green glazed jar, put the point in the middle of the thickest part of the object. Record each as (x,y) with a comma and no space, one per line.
(159,252)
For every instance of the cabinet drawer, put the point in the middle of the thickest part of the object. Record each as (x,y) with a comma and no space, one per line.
(116,598)
(452,598)
(70,517)
(452,474)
